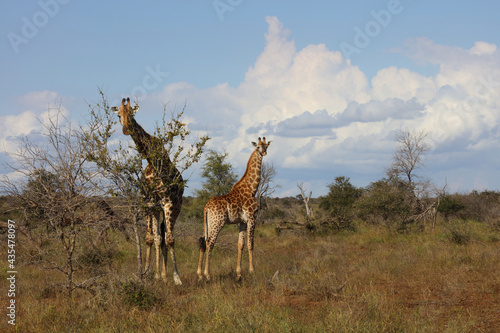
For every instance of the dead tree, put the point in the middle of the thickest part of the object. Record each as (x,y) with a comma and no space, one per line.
(408,158)
(309,211)
(440,193)
(266,186)
(54,192)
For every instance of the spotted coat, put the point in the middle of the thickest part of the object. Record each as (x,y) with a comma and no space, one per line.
(237,207)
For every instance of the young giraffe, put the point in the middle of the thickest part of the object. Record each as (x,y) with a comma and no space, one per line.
(238,206)
(168,191)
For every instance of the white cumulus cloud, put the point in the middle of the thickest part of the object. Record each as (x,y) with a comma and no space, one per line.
(323,113)
(37,108)
(327,118)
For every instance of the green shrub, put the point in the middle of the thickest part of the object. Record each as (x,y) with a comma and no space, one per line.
(460,233)
(95,257)
(450,205)
(384,201)
(341,196)
(137,295)
(339,203)
(275,213)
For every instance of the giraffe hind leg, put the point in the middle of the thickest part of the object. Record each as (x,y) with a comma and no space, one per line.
(203,248)
(210,246)
(158,241)
(213,226)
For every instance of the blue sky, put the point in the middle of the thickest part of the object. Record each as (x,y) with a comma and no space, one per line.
(328,81)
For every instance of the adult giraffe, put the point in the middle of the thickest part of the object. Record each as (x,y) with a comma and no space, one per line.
(167,185)
(238,206)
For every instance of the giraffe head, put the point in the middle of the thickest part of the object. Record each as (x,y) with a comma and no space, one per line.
(125,112)
(261,146)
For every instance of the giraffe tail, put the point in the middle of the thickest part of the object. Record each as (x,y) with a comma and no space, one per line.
(203,239)
(203,244)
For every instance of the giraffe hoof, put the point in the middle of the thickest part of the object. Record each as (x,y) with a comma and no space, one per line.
(177,281)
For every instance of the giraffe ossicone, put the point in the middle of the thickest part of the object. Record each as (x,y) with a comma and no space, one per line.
(237,207)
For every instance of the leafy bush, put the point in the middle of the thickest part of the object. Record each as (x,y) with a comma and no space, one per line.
(478,206)
(384,200)
(481,206)
(97,258)
(218,174)
(339,201)
(275,213)
(192,209)
(341,196)
(451,205)
(137,295)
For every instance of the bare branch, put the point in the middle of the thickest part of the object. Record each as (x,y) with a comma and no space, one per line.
(266,186)
(408,157)
(306,199)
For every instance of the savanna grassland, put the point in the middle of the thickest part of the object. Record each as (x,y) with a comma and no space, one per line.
(367,278)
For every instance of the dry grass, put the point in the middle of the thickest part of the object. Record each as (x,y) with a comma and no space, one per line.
(371,280)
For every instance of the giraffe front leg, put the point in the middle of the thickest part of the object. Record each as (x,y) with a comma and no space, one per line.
(170,217)
(210,246)
(177,277)
(241,244)
(157,265)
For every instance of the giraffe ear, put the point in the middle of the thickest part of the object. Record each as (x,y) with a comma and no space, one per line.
(269,143)
(254,144)
(114,109)
(135,109)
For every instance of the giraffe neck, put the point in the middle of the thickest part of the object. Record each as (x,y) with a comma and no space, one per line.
(251,179)
(152,149)
(142,139)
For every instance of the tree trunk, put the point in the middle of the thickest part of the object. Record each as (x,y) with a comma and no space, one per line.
(135,225)
(306,199)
